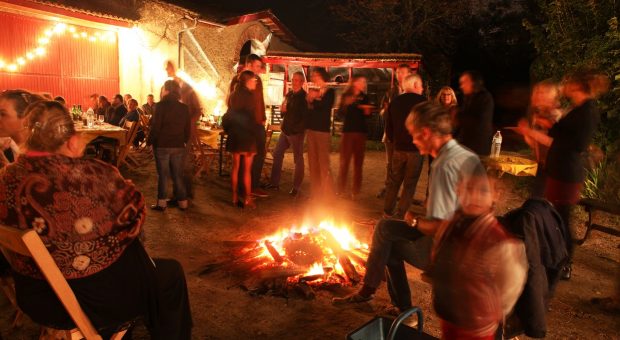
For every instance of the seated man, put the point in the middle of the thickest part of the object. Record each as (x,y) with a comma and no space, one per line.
(134,116)
(396,241)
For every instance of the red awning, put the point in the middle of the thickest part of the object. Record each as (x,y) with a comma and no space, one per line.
(348,60)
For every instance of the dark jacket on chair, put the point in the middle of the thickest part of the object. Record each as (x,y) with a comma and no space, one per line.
(545,236)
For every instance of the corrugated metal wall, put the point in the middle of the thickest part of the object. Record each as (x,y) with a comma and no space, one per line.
(71,67)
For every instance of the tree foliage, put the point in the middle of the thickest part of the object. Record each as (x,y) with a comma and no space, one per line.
(580,33)
(427,27)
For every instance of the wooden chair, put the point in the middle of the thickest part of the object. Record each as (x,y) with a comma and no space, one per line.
(28,243)
(145,123)
(124,157)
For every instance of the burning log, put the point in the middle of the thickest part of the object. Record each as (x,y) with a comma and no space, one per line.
(356,258)
(279,272)
(240,259)
(349,268)
(274,253)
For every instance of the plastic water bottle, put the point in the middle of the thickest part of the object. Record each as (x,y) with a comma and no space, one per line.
(496,145)
(90,118)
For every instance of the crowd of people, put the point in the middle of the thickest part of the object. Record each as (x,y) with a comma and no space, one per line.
(478,264)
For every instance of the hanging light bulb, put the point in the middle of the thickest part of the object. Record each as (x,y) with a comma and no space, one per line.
(39,51)
(21,61)
(2,64)
(30,55)
(71,29)
(12,67)
(44,41)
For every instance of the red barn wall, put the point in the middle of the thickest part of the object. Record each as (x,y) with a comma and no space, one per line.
(72,68)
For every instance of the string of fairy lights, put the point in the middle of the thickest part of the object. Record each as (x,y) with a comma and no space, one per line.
(60,29)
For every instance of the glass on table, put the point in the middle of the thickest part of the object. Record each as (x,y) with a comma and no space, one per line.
(100,119)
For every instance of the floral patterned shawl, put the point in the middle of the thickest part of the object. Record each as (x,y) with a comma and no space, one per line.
(84,210)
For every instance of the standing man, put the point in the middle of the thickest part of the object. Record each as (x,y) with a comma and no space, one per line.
(189,98)
(294,109)
(120,111)
(149,107)
(402,71)
(406,160)
(254,63)
(395,242)
(475,118)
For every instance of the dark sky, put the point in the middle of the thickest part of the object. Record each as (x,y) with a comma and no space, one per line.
(313,22)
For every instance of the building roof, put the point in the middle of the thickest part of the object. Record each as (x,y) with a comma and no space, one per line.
(109,9)
(268,19)
(355,60)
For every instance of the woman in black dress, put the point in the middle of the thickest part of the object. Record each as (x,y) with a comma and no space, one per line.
(238,123)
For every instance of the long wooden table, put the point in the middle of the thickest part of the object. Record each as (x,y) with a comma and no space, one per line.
(102,130)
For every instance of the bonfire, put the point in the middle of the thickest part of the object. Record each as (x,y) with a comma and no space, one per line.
(301,259)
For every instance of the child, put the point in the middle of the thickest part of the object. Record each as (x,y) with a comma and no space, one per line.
(478,269)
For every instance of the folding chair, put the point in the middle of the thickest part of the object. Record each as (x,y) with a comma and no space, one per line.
(145,123)
(124,156)
(28,243)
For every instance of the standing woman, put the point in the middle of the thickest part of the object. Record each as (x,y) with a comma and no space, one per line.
(447,98)
(318,126)
(475,119)
(238,123)
(354,106)
(170,132)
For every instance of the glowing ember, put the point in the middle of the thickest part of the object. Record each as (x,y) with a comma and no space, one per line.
(324,254)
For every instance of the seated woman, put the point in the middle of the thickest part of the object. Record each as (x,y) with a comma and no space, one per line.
(89,217)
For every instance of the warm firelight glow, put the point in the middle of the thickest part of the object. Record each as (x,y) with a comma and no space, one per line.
(318,252)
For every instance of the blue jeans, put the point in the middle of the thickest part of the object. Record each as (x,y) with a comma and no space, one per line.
(169,162)
(394,242)
(284,142)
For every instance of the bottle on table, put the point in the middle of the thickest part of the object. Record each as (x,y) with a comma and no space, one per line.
(496,145)
(90,118)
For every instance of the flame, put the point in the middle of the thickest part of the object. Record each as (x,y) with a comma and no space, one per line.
(332,240)
(316,269)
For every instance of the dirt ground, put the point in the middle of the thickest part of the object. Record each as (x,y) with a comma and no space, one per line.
(221,310)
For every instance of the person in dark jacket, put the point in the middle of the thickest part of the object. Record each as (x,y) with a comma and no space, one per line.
(475,119)
(318,127)
(170,132)
(546,240)
(406,159)
(294,110)
(115,116)
(239,123)
(355,108)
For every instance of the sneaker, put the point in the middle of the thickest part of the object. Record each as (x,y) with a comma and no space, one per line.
(381,193)
(351,299)
(258,192)
(173,203)
(293,192)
